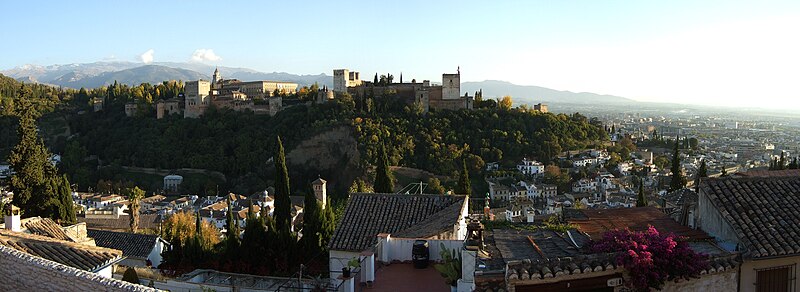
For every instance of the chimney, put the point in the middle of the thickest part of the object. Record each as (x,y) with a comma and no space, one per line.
(530,214)
(12,218)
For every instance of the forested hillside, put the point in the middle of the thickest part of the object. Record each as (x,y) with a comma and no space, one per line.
(239,144)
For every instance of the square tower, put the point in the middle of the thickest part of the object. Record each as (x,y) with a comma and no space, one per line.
(451,86)
(320,191)
(340,77)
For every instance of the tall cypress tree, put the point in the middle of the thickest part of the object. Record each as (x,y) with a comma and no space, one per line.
(312,221)
(384,181)
(66,207)
(33,183)
(702,171)
(232,232)
(283,203)
(464,186)
(254,245)
(641,200)
(677,180)
(782,162)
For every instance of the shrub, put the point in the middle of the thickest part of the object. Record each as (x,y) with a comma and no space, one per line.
(650,257)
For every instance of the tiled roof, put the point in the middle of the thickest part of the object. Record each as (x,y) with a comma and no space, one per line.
(679,197)
(539,244)
(597,222)
(45,227)
(84,257)
(131,245)
(414,216)
(146,221)
(763,211)
(550,268)
(770,173)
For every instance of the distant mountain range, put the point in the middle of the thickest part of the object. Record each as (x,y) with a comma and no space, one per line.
(98,74)
(536,94)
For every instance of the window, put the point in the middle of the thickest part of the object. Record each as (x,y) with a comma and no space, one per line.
(780,278)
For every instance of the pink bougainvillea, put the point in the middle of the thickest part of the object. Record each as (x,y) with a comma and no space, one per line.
(651,258)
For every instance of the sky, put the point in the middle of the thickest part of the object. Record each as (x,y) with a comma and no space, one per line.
(727,53)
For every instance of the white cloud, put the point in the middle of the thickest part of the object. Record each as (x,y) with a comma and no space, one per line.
(147,57)
(203,55)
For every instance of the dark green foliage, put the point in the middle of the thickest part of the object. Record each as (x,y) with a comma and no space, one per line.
(313,218)
(254,241)
(434,186)
(232,232)
(130,276)
(641,199)
(38,188)
(66,207)
(677,181)
(702,171)
(283,203)
(384,180)
(464,187)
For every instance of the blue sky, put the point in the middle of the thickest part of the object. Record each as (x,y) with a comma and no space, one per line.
(738,53)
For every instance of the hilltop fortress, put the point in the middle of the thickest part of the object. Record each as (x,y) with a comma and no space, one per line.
(430,96)
(262,97)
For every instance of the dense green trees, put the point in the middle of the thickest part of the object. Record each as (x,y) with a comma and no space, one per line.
(39,190)
(384,180)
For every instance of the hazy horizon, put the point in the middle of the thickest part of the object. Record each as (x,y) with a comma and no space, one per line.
(711,53)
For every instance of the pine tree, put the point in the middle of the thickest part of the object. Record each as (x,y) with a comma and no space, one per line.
(677,181)
(384,180)
(641,200)
(33,183)
(283,203)
(782,162)
(135,195)
(464,186)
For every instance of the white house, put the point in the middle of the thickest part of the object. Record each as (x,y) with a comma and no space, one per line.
(172,182)
(530,167)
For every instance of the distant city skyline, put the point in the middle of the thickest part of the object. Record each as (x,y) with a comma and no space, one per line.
(727,53)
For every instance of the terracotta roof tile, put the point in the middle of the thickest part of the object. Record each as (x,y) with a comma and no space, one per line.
(131,245)
(367,215)
(597,222)
(763,211)
(146,221)
(84,257)
(45,227)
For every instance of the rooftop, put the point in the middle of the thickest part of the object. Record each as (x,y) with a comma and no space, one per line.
(597,222)
(762,211)
(146,221)
(397,277)
(84,257)
(131,245)
(416,216)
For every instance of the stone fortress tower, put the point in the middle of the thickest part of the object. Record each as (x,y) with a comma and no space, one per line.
(451,85)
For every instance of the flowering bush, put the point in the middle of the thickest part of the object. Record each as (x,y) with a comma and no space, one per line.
(651,258)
